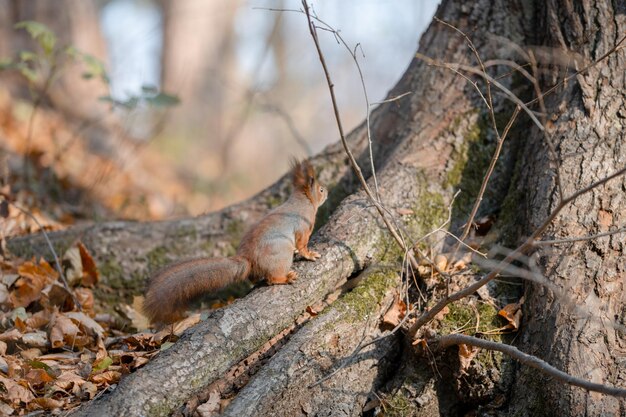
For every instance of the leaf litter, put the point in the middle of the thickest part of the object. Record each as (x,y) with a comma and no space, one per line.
(55,355)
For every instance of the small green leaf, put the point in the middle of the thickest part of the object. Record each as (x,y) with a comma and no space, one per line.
(95,67)
(163,100)
(53,372)
(149,89)
(39,365)
(26,56)
(102,365)
(6,63)
(166,345)
(39,32)
(28,73)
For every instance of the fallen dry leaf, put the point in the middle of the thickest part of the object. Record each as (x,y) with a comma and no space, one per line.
(47,403)
(106,378)
(36,339)
(85,298)
(513,314)
(10,335)
(33,279)
(67,380)
(211,407)
(15,393)
(90,275)
(64,332)
(441,262)
(38,377)
(39,319)
(55,294)
(88,390)
(87,324)
(140,322)
(73,266)
(395,313)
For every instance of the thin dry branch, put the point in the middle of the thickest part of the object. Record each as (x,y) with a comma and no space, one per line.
(353,163)
(530,360)
(579,238)
(492,165)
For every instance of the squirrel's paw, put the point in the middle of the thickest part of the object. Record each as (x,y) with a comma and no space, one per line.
(292,276)
(312,255)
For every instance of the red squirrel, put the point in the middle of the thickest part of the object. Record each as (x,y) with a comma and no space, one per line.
(265,252)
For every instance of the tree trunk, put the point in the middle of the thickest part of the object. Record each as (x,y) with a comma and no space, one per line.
(426,145)
(588,127)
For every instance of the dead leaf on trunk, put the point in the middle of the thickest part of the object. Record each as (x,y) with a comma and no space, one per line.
(513,314)
(466,354)
(396,312)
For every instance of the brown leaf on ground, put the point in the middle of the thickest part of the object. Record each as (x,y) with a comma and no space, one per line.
(55,294)
(441,262)
(87,324)
(85,298)
(395,313)
(211,407)
(14,393)
(90,272)
(39,320)
(46,403)
(73,266)
(64,332)
(11,335)
(38,377)
(67,380)
(106,378)
(88,390)
(513,314)
(33,279)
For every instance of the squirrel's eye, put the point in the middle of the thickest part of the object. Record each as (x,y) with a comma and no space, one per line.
(321,189)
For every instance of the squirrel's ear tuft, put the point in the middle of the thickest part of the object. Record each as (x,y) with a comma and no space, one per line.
(298,176)
(303,174)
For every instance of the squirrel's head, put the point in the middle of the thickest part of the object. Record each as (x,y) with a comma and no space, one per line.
(304,181)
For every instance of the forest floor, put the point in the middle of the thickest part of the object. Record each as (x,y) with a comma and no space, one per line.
(60,345)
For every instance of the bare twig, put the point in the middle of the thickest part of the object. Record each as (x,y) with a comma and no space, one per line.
(579,238)
(492,165)
(353,163)
(530,360)
(615,48)
(392,99)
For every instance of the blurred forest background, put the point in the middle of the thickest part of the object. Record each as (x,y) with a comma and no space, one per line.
(243,86)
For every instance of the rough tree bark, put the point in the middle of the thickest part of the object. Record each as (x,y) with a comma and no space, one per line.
(426,145)
(588,127)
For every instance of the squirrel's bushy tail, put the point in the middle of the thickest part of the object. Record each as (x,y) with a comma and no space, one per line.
(172,288)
